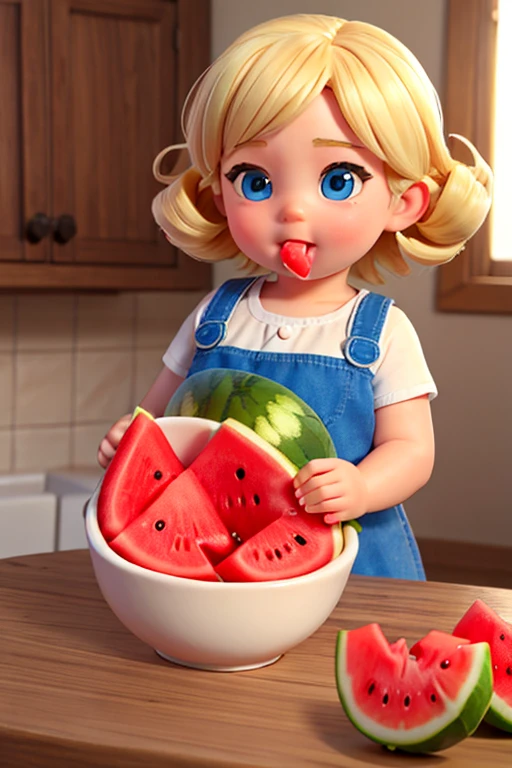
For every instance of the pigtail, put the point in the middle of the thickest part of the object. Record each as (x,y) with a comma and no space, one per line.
(457,212)
(459,203)
(186,212)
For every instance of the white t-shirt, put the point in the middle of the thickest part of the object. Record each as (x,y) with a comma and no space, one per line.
(400,373)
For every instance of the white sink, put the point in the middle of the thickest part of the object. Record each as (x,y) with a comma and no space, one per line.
(42,512)
(22,485)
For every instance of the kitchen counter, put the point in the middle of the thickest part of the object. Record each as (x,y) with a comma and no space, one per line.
(77,689)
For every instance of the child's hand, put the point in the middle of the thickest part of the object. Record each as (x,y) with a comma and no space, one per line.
(112,439)
(332,487)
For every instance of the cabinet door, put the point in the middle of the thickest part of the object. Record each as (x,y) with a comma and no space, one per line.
(24,162)
(114,87)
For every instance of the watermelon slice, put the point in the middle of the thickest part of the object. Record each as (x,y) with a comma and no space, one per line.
(250,485)
(142,467)
(297,257)
(422,700)
(481,624)
(180,533)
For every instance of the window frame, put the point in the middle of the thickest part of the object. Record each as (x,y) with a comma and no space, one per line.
(472,282)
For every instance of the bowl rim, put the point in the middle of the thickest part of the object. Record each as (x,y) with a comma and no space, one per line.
(98,543)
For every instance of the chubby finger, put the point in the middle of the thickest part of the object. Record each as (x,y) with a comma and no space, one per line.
(116,432)
(327,506)
(337,517)
(107,449)
(332,491)
(313,468)
(316,482)
(103,460)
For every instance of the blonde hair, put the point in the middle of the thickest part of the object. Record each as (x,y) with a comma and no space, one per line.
(269,76)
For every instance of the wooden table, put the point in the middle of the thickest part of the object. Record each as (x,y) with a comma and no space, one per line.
(77,690)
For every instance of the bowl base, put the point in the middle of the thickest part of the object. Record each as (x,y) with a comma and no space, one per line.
(217,667)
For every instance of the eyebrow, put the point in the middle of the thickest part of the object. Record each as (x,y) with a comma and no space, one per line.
(335,143)
(316,143)
(251,143)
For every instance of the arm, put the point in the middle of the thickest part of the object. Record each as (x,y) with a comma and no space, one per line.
(154,401)
(163,388)
(400,463)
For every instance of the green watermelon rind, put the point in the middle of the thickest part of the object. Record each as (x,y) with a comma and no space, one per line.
(465,713)
(274,412)
(499,714)
(475,626)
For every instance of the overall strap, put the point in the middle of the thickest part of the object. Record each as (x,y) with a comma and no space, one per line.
(214,322)
(364,329)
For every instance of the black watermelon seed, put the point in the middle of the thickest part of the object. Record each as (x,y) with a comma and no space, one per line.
(300,539)
(160,525)
(240,473)
(278,553)
(371,689)
(385,699)
(445,664)
(509,670)
(157,475)
(407,701)
(502,637)
(433,697)
(256,498)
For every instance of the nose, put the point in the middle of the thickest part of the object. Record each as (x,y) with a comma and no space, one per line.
(291,211)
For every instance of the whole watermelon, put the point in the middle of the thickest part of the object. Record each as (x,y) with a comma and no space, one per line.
(274,412)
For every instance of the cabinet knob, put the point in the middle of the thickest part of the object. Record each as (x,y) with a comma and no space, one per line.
(38,227)
(64,229)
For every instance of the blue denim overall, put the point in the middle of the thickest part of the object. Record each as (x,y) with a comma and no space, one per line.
(340,391)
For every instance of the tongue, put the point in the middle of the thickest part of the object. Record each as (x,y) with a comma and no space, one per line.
(297,258)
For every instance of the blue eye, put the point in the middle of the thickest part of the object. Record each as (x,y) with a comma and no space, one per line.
(250,182)
(340,183)
(253,185)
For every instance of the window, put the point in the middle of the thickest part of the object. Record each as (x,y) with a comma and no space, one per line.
(475,281)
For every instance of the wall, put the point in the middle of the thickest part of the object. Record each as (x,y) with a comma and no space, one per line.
(71,364)
(468,496)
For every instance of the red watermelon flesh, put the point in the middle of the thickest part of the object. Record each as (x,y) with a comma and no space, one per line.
(421,700)
(142,467)
(290,546)
(481,624)
(250,485)
(180,534)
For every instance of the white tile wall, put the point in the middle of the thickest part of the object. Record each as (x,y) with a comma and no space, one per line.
(71,364)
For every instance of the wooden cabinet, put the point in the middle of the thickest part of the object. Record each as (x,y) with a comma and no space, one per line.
(90,92)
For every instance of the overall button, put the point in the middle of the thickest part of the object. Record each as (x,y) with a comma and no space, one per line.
(284,332)
(210,333)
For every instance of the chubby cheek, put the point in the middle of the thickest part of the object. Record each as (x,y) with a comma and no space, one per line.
(245,223)
(355,228)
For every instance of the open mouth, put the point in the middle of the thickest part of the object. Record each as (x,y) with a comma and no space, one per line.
(297,257)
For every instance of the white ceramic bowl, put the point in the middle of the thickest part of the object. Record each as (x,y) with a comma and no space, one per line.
(216,625)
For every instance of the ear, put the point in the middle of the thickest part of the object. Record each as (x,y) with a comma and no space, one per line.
(409,208)
(219,203)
